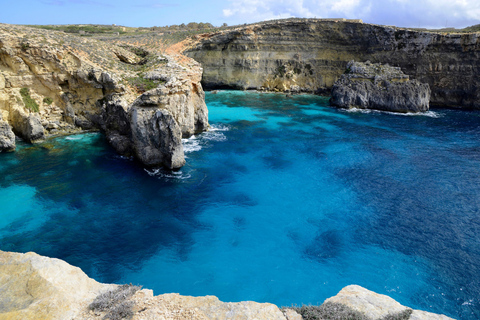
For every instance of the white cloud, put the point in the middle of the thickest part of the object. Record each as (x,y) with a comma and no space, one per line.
(411,13)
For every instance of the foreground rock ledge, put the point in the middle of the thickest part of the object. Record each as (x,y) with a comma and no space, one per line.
(380,87)
(37,287)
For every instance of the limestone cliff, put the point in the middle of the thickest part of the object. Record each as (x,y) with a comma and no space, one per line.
(36,287)
(53,83)
(379,87)
(311,54)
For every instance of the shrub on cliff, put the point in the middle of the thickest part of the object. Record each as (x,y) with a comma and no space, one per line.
(329,311)
(115,303)
(338,311)
(30,103)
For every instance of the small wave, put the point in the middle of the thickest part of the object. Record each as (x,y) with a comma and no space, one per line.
(431,114)
(468,303)
(219,127)
(73,138)
(168,175)
(214,136)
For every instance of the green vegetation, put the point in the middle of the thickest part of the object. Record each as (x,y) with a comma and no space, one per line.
(475,28)
(337,311)
(116,302)
(141,84)
(83,29)
(30,103)
(329,311)
(47,100)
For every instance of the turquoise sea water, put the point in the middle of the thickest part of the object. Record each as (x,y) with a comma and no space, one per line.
(285,200)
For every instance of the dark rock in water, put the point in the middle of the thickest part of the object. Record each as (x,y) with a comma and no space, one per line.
(157,138)
(7,137)
(379,87)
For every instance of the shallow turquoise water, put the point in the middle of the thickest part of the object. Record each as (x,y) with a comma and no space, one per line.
(285,200)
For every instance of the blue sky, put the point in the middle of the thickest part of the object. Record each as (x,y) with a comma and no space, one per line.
(147,13)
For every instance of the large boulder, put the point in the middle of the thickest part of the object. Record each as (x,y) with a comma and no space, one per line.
(374,306)
(27,125)
(7,137)
(381,87)
(156,137)
(36,287)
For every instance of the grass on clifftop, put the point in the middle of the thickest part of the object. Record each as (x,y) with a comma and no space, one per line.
(30,103)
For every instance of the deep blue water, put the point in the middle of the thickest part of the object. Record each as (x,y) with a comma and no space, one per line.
(286,201)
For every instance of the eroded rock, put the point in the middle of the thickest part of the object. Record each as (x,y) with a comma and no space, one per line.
(36,287)
(7,137)
(81,84)
(379,87)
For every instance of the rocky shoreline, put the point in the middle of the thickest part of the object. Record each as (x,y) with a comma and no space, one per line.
(39,287)
(53,83)
(379,87)
(309,55)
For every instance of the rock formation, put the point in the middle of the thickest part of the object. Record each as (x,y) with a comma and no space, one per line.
(52,83)
(311,54)
(7,137)
(36,287)
(380,87)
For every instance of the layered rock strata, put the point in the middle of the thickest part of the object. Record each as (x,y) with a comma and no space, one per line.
(311,54)
(36,287)
(52,83)
(380,87)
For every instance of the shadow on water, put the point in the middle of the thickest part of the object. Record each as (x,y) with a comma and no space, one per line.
(100,208)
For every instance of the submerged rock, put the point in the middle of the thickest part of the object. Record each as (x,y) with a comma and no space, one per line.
(36,287)
(379,87)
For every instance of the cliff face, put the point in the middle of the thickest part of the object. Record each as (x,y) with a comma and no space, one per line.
(379,87)
(53,83)
(310,55)
(36,287)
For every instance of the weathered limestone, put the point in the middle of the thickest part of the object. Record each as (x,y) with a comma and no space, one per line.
(35,287)
(311,54)
(378,306)
(7,137)
(380,87)
(82,84)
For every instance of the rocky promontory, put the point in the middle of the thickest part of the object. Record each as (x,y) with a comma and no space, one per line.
(309,55)
(37,287)
(380,87)
(53,83)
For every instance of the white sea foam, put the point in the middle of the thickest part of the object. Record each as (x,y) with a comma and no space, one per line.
(196,143)
(219,127)
(168,175)
(214,136)
(73,138)
(431,114)
(191,144)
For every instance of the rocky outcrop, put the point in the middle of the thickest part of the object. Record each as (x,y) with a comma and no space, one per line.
(7,137)
(380,87)
(53,83)
(36,287)
(311,54)
(376,306)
